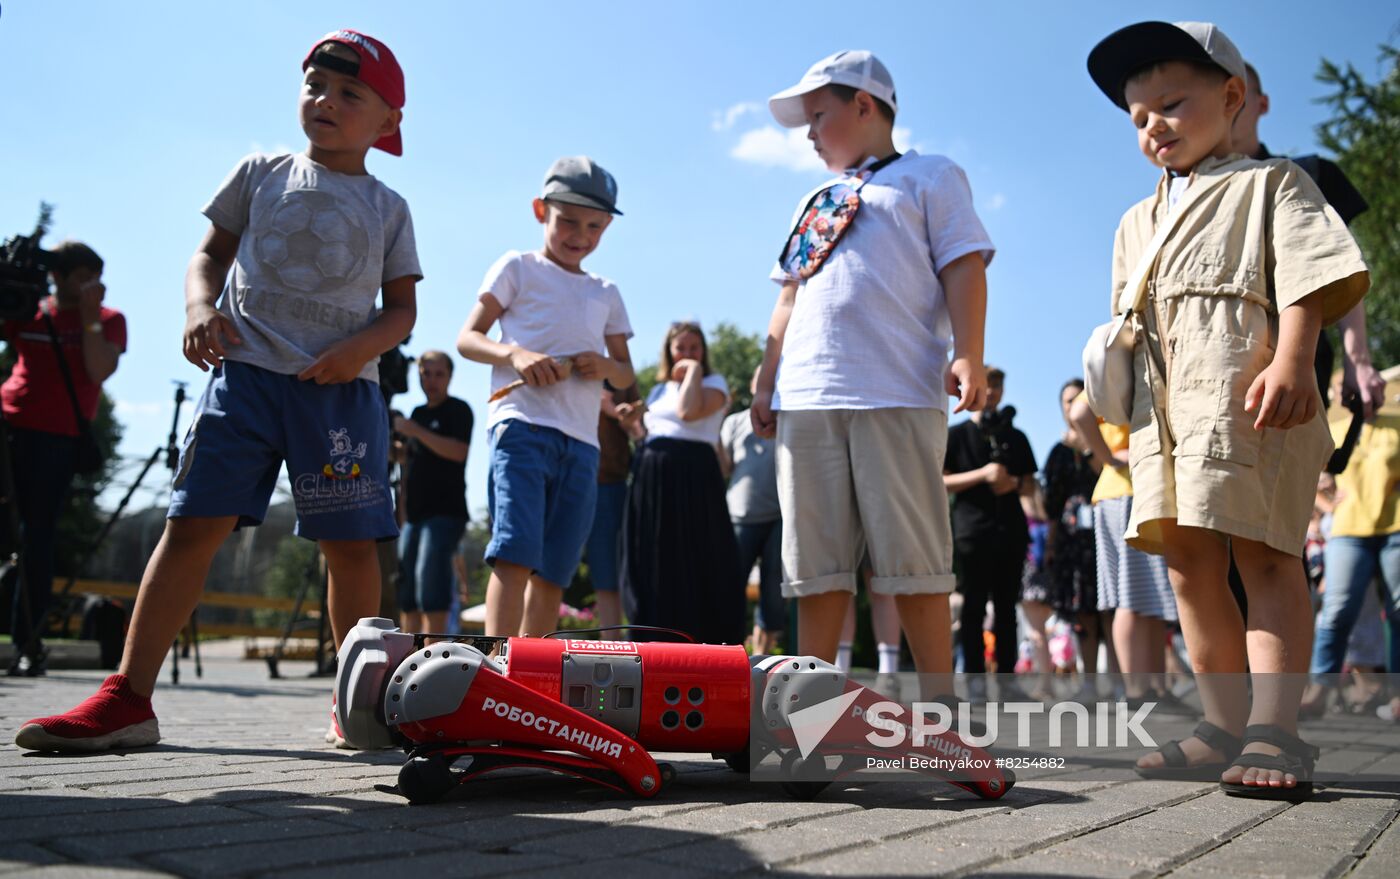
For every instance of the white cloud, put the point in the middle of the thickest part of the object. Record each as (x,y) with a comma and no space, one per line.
(132,409)
(725,120)
(997,201)
(775,147)
(276,149)
(789,148)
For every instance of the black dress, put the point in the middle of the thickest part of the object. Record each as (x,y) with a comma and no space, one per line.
(680,566)
(1069,486)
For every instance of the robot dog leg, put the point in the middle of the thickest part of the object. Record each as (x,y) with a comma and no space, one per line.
(800,702)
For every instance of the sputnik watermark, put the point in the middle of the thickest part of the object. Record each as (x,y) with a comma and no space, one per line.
(1109,725)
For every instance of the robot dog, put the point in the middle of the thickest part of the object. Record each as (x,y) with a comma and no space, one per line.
(594,709)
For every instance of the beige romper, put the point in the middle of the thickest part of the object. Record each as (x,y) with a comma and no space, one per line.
(1258,242)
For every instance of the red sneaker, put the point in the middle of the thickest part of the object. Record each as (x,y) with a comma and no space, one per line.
(113,717)
(333,734)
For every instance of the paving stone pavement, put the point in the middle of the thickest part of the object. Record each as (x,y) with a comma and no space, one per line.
(243,785)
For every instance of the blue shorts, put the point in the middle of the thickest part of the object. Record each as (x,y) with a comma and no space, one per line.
(605,540)
(334,439)
(541,491)
(426,578)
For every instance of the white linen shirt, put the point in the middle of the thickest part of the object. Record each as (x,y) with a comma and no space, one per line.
(871,329)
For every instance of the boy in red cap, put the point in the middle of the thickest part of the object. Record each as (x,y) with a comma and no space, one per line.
(294,342)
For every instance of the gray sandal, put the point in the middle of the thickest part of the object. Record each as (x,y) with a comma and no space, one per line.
(1297,758)
(1178,769)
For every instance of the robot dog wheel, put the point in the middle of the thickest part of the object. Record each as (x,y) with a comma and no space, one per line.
(426,779)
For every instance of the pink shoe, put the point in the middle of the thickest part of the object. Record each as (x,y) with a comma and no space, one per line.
(113,717)
(333,734)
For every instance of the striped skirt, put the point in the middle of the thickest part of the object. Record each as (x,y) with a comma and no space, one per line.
(1128,578)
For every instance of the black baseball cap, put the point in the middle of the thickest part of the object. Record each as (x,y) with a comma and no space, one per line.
(1124,52)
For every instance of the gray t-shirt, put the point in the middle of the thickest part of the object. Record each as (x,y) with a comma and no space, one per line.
(753,484)
(315,247)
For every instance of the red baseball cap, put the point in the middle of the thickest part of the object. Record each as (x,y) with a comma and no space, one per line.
(377,68)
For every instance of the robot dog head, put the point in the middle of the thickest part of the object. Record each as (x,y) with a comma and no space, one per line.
(368,656)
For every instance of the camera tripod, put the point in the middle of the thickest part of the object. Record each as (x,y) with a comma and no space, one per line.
(171,451)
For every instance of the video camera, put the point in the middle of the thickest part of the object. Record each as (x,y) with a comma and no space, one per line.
(393,371)
(997,428)
(24,270)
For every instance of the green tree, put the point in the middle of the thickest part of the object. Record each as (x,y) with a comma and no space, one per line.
(1364,134)
(292,565)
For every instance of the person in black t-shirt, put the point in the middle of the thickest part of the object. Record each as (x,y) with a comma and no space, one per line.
(1359,376)
(436,438)
(988,468)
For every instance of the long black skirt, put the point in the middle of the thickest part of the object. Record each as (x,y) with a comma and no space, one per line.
(680,559)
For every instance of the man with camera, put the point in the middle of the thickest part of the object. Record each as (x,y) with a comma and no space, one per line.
(988,467)
(65,349)
(435,438)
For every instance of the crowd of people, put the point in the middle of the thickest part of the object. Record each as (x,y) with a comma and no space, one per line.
(845,470)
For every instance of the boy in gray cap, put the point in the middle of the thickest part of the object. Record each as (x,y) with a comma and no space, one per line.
(556,322)
(1242,262)
(883,278)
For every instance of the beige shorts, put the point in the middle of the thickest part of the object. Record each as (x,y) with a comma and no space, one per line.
(852,479)
(1194,453)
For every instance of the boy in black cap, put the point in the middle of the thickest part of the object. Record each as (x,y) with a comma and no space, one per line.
(556,321)
(1229,270)
(293,335)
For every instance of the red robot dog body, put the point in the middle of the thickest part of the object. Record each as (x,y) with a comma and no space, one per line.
(593,709)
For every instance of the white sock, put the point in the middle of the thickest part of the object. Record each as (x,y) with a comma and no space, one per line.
(843,656)
(889,659)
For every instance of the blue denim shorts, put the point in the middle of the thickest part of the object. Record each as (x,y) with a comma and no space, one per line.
(605,538)
(541,491)
(426,578)
(333,438)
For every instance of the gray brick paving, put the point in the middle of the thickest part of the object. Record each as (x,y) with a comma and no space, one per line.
(243,786)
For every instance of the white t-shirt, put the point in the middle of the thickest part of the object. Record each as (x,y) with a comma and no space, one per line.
(662,420)
(871,329)
(553,311)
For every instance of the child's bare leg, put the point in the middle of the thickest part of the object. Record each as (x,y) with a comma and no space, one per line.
(352,585)
(170,590)
(1198,563)
(928,625)
(505,599)
(820,618)
(1037,616)
(1280,644)
(435,621)
(608,610)
(1139,642)
(541,607)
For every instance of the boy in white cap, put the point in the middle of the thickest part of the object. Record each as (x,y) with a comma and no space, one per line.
(883,276)
(556,322)
(1243,262)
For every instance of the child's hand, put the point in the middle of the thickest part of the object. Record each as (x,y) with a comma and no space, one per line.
(206,331)
(765,423)
(628,414)
(1284,395)
(338,364)
(967,381)
(593,366)
(538,370)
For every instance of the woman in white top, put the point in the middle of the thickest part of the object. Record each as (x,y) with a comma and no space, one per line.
(680,559)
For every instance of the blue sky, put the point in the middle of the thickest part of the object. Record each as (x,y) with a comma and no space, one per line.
(127,116)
